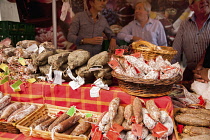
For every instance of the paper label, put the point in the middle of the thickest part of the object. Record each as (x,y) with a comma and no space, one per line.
(87,115)
(94,91)
(79,81)
(4,80)
(42,78)
(32,48)
(119,52)
(16,86)
(137,129)
(116,127)
(58,77)
(3,66)
(95,68)
(49,75)
(70,74)
(22,61)
(112,135)
(96,133)
(71,111)
(113,64)
(159,130)
(99,83)
(41,49)
(32,80)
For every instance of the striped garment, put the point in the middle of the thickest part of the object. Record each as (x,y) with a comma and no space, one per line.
(191,41)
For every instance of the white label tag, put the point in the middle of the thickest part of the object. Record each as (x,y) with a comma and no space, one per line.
(58,77)
(49,75)
(99,83)
(42,78)
(70,74)
(79,81)
(32,48)
(94,91)
(41,49)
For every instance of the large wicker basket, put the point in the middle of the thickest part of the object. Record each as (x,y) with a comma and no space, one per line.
(49,109)
(11,127)
(146,87)
(151,51)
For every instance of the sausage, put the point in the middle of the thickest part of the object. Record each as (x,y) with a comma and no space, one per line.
(148,121)
(127,127)
(128,113)
(104,121)
(113,106)
(20,115)
(68,131)
(153,110)
(201,116)
(199,137)
(82,127)
(187,119)
(100,118)
(120,116)
(44,125)
(11,117)
(163,116)
(137,110)
(39,121)
(4,101)
(66,124)
(63,117)
(194,131)
(10,109)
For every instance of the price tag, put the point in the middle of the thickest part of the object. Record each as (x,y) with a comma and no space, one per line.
(22,61)
(71,111)
(32,48)
(3,67)
(112,135)
(41,49)
(58,77)
(116,127)
(16,86)
(97,135)
(4,80)
(49,75)
(137,129)
(88,115)
(180,128)
(119,52)
(32,80)
(94,91)
(159,130)
(113,64)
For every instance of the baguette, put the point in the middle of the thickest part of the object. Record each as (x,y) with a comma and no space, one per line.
(187,119)
(194,131)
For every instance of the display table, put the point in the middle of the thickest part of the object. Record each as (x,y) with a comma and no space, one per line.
(9,136)
(63,95)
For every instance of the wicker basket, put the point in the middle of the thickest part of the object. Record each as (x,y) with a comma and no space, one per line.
(49,109)
(146,87)
(10,127)
(151,51)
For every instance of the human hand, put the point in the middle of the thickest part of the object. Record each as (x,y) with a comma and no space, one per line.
(112,45)
(201,75)
(204,74)
(95,40)
(135,38)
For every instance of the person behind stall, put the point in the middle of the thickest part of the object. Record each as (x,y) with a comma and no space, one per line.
(202,73)
(193,37)
(143,27)
(87,28)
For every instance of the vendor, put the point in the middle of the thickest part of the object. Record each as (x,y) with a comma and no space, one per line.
(87,28)
(202,73)
(193,37)
(143,27)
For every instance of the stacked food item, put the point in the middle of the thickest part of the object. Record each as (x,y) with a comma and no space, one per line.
(136,121)
(31,59)
(193,124)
